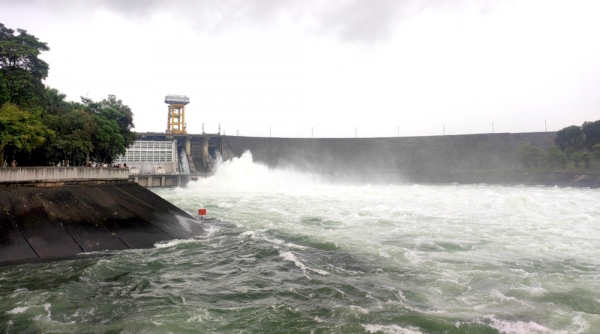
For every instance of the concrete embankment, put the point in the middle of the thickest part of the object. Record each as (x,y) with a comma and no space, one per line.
(63,221)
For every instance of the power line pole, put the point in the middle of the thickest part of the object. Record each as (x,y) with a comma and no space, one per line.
(355,132)
(492,127)
(398,130)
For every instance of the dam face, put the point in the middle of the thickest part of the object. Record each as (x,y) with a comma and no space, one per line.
(415,159)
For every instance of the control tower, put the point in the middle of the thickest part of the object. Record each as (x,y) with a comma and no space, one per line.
(176,116)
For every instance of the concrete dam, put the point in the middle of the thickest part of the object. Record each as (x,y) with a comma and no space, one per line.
(408,159)
(466,159)
(389,159)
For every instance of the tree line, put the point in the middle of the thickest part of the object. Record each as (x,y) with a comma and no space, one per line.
(578,144)
(38,127)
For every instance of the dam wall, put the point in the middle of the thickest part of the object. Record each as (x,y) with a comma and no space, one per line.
(411,159)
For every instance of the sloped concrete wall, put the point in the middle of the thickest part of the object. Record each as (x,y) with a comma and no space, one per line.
(59,222)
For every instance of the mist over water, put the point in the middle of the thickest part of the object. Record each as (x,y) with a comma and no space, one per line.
(287,251)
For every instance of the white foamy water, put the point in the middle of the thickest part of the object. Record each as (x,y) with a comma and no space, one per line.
(515,259)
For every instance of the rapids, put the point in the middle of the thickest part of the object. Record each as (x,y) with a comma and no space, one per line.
(286,251)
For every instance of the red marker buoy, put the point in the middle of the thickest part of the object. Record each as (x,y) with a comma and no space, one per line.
(201,212)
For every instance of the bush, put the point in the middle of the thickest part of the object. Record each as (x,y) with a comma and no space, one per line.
(586,157)
(596,150)
(576,158)
(556,157)
(530,156)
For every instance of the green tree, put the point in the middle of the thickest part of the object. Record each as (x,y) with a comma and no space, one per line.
(74,129)
(20,130)
(586,157)
(591,133)
(124,119)
(529,156)
(113,134)
(596,150)
(59,116)
(555,157)
(108,142)
(58,130)
(54,101)
(21,69)
(569,152)
(570,137)
(576,158)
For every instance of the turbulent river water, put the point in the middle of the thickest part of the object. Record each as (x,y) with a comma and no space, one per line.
(288,252)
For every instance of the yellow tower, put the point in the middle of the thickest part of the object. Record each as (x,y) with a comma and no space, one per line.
(176,115)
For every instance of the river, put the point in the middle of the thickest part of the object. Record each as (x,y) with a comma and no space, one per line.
(286,251)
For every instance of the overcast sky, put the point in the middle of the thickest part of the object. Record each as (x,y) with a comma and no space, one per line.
(329,65)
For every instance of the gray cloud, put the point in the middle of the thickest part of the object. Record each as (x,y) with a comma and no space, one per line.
(349,20)
(358,20)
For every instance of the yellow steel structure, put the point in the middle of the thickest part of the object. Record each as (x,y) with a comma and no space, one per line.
(176,119)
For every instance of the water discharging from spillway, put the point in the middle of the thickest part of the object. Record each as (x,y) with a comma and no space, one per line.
(184,164)
(288,252)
